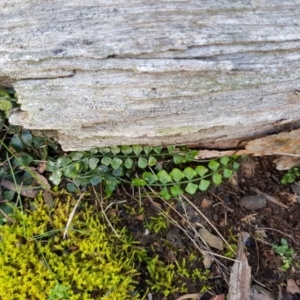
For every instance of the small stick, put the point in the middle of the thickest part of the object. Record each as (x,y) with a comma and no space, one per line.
(72,216)
(103,211)
(190,296)
(210,223)
(272,229)
(7,216)
(192,227)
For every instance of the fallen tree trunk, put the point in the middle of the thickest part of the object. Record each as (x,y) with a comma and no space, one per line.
(140,72)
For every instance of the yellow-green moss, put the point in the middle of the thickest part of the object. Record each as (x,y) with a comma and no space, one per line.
(92,263)
(34,258)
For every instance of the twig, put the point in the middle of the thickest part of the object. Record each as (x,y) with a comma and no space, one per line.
(192,238)
(272,229)
(71,216)
(113,203)
(185,213)
(259,283)
(6,216)
(225,217)
(207,220)
(186,233)
(104,214)
(190,296)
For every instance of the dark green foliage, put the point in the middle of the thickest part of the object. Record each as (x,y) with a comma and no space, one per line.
(137,165)
(290,176)
(286,252)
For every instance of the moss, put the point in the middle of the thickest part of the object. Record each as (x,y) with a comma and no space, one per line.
(6,106)
(91,263)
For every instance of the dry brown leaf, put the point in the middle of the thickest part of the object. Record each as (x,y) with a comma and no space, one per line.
(212,240)
(284,143)
(48,198)
(286,162)
(205,203)
(140,217)
(292,287)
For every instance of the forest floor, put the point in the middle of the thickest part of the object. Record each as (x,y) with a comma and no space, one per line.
(275,266)
(191,242)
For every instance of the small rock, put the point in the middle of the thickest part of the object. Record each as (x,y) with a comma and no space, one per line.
(296,188)
(253,202)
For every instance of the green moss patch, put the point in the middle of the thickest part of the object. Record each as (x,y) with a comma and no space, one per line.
(91,263)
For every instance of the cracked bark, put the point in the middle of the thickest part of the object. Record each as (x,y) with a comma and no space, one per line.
(137,72)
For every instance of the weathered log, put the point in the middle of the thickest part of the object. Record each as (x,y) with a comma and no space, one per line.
(152,72)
